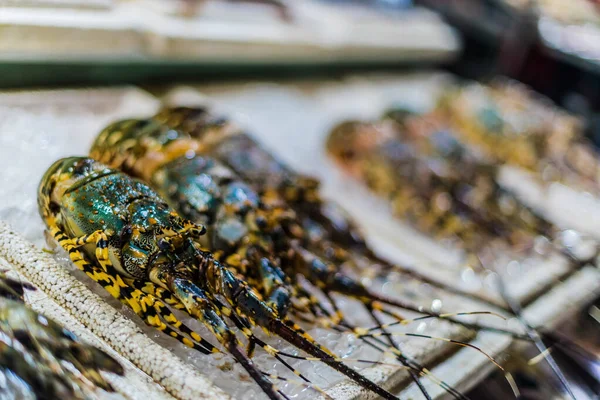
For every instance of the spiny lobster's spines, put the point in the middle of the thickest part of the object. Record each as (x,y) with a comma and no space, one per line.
(190,119)
(206,128)
(302,191)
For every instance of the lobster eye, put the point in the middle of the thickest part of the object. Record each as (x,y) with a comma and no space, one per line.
(261,222)
(126,233)
(83,166)
(163,245)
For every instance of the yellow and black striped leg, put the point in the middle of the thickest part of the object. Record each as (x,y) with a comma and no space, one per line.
(99,238)
(149,308)
(192,229)
(157,295)
(152,311)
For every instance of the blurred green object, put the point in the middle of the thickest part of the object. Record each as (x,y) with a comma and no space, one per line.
(26,74)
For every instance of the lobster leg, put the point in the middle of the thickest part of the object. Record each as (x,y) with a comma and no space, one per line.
(199,305)
(150,309)
(155,314)
(272,280)
(390,341)
(376,343)
(246,302)
(243,325)
(325,277)
(400,357)
(99,238)
(276,289)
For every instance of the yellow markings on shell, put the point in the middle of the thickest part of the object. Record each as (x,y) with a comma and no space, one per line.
(234,260)
(149,302)
(303,333)
(265,330)
(120,281)
(361,331)
(226,311)
(128,143)
(116,293)
(375,305)
(247,332)
(325,322)
(113,138)
(172,319)
(195,336)
(149,288)
(339,316)
(270,350)
(156,322)
(78,261)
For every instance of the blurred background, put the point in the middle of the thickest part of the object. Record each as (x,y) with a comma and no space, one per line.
(553,46)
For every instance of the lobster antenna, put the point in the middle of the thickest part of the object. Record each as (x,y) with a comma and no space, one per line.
(531,332)
(406,361)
